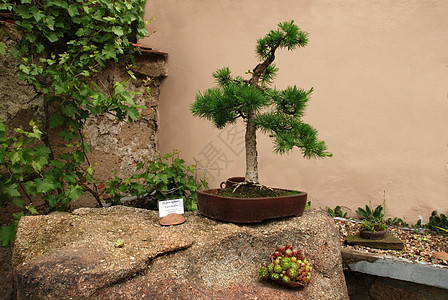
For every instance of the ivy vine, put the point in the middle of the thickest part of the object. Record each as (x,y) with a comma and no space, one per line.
(64,46)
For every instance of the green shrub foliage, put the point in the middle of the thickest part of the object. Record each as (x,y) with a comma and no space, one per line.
(373,219)
(64,45)
(337,212)
(438,222)
(166,177)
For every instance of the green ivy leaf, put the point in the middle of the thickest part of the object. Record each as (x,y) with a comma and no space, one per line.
(24,69)
(117,30)
(56,121)
(44,185)
(80,32)
(109,52)
(90,170)
(75,192)
(73,10)
(2,155)
(56,3)
(132,112)
(37,166)
(31,209)
(16,157)
(71,178)
(2,48)
(52,37)
(10,189)
(18,201)
(50,20)
(79,156)
(7,235)
(30,188)
(37,14)
(110,19)
(57,164)
(85,73)
(39,48)
(24,12)
(69,110)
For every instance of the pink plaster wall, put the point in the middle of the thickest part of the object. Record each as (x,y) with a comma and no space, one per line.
(380,73)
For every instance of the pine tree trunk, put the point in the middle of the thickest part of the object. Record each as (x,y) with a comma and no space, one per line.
(251,150)
(251,128)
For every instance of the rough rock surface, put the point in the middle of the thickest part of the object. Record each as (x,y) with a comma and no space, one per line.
(6,290)
(62,256)
(19,102)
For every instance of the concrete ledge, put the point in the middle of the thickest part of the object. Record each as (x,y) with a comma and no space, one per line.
(397,268)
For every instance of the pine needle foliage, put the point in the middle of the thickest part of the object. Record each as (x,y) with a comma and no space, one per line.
(277,113)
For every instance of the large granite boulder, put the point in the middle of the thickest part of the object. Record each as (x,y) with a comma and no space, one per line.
(124,253)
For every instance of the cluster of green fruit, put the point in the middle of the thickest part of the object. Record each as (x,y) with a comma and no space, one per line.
(288,266)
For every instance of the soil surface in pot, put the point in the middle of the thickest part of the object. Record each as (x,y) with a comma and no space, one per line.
(252,191)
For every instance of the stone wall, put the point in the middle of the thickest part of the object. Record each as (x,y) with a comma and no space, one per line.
(119,146)
(19,102)
(116,146)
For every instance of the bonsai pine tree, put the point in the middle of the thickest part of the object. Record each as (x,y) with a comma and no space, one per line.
(277,113)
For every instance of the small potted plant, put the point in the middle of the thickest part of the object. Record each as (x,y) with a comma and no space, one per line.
(373,226)
(277,113)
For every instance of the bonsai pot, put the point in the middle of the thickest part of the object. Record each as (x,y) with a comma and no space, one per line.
(372,235)
(249,210)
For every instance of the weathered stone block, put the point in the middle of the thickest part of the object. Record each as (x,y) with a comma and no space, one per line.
(74,255)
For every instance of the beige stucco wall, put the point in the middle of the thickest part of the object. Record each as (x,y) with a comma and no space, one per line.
(380,73)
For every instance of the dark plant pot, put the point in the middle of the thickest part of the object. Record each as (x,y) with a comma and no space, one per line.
(231,182)
(249,210)
(372,235)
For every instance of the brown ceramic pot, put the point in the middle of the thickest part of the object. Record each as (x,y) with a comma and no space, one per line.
(372,235)
(232,181)
(249,210)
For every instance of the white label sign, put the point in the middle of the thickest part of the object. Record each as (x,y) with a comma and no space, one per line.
(171,206)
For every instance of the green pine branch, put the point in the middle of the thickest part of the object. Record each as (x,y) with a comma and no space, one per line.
(276,113)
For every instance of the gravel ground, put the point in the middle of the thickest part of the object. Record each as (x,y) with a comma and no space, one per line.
(419,244)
